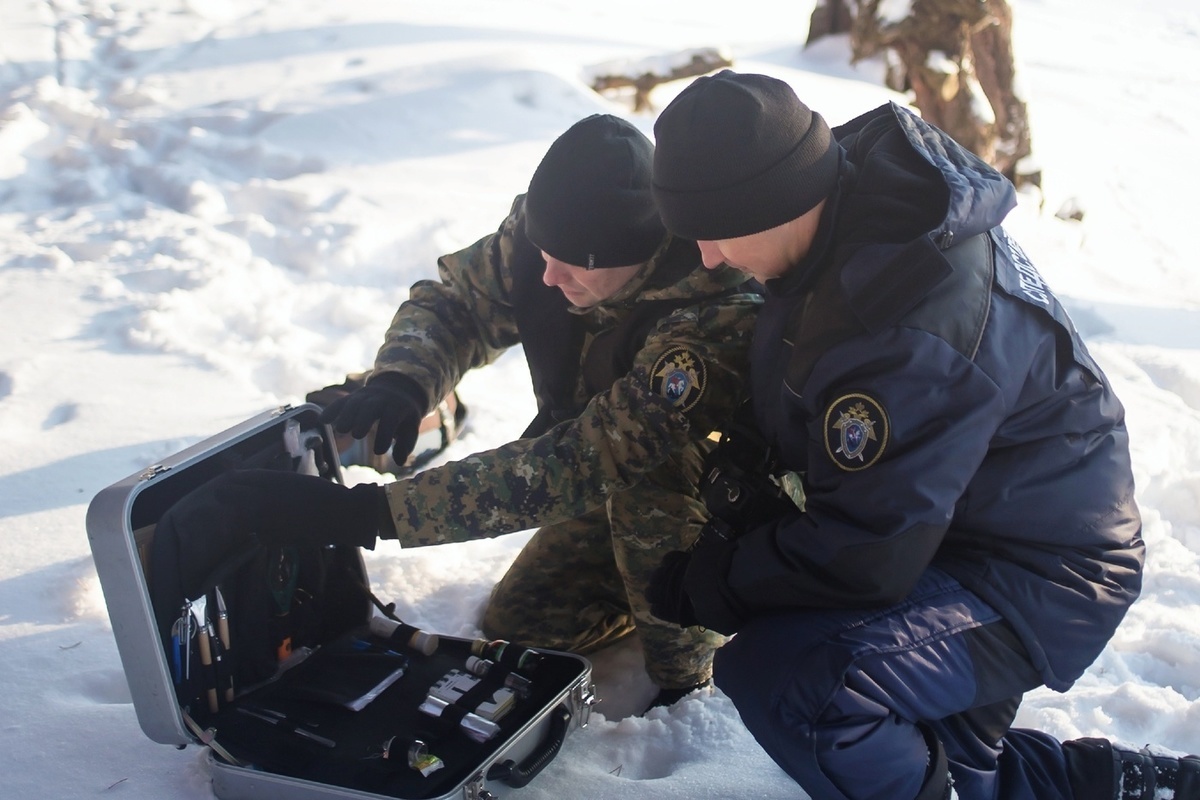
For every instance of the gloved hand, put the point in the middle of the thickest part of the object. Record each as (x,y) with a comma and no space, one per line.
(390,399)
(668,599)
(278,508)
(289,508)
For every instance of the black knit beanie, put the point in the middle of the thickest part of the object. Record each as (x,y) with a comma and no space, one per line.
(739,154)
(589,202)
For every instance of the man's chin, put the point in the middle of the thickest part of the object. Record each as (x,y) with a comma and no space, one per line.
(578,300)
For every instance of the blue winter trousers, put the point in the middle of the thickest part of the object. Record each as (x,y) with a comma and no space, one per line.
(843,700)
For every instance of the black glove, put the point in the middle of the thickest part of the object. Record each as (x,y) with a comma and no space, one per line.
(668,599)
(327,395)
(289,508)
(390,399)
(278,508)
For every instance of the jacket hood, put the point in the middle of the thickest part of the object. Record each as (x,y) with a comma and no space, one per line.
(910,179)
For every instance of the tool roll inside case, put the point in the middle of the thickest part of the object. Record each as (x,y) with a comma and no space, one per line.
(277,660)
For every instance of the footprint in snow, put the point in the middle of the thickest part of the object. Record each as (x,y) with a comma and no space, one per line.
(61,414)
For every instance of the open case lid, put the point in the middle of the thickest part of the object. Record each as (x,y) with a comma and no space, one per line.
(120,524)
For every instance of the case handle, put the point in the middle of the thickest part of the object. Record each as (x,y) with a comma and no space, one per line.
(518,775)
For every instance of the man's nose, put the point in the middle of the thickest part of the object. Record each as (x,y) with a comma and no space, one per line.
(711,255)
(554,275)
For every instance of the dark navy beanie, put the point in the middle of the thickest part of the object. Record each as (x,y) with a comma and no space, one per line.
(589,202)
(738,154)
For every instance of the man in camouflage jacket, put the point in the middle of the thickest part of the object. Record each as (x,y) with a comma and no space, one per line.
(637,355)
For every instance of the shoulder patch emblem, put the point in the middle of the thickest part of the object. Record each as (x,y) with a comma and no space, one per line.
(679,375)
(856,431)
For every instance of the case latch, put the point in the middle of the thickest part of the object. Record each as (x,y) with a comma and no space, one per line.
(585,698)
(473,790)
(152,472)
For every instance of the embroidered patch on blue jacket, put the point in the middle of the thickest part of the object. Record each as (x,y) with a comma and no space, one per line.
(856,431)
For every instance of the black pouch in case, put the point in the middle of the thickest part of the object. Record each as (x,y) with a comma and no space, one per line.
(250,616)
(265,654)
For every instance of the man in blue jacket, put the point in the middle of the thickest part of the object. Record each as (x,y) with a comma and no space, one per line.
(950,517)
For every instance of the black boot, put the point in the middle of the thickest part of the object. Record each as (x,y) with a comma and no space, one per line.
(1099,769)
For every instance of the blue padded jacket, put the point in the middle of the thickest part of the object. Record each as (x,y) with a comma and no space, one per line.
(936,402)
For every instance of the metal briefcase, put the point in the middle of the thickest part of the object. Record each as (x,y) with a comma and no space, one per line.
(283,670)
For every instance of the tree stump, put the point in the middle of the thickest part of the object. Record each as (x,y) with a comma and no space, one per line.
(956,57)
(643,75)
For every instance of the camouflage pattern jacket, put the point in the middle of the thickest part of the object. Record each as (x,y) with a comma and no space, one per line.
(685,380)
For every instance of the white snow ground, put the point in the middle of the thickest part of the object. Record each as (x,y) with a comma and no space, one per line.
(208,208)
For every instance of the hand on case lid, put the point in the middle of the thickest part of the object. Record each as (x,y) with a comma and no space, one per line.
(391,402)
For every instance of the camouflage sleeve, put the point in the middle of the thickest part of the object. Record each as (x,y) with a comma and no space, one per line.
(684,383)
(462,321)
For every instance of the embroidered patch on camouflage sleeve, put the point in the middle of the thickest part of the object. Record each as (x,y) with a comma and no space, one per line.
(680,376)
(856,431)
